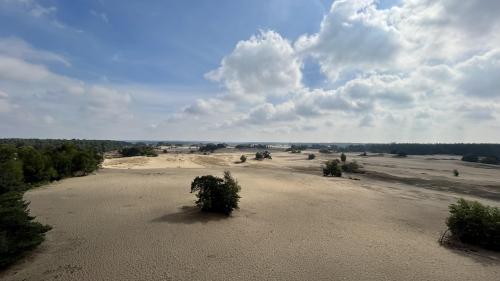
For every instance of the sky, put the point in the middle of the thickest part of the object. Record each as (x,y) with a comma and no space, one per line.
(260,70)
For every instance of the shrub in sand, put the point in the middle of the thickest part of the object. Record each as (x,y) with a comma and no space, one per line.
(216,194)
(332,168)
(474,223)
(455,173)
(263,155)
(343,157)
(351,167)
(243,158)
(311,156)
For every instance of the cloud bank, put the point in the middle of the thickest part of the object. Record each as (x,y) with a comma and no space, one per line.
(421,71)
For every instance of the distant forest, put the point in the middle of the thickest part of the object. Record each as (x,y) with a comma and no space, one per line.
(99,146)
(463,149)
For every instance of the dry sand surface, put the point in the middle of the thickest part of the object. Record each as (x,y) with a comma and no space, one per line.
(135,220)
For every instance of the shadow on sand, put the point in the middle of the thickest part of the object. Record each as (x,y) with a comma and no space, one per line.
(189,215)
(479,255)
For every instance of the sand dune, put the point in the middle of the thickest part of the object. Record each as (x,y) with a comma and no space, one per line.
(135,220)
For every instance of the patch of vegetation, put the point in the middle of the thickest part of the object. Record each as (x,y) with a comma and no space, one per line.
(216,194)
(296,148)
(98,146)
(211,147)
(493,160)
(252,145)
(350,167)
(138,150)
(343,157)
(400,154)
(243,159)
(325,150)
(332,168)
(479,149)
(470,158)
(474,223)
(25,166)
(311,156)
(18,232)
(455,172)
(261,155)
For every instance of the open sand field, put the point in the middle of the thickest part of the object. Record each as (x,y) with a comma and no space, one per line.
(135,220)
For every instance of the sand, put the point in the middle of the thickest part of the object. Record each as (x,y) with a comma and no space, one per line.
(135,220)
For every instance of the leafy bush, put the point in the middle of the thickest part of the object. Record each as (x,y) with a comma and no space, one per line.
(311,156)
(216,194)
(325,151)
(332,168)
(474,223)
(243,158)
(455,172)
(343,157)
(351,167)
(263,155)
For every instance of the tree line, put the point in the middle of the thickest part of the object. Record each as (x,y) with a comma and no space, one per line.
(28,163)
(479,149)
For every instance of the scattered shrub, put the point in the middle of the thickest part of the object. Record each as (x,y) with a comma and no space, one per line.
(243,158)
(474,223)
(455,173)
(343,157)
(311,156)
(363,154)
(332,168)
(263,155)
(351,167)
(216,194)
(325,151)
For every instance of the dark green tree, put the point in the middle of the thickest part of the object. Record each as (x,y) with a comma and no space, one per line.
(332,168)
(216,194)
(343,157)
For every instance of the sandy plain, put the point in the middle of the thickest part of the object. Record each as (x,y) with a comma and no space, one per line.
(135,220)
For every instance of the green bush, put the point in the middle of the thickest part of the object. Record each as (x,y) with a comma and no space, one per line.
(263,155)
(18,232)
(351,167)
(343,157)
(243,158)
(455,172)
(311,156)
(216,194)
(332,168)
(138,150)
(474,223)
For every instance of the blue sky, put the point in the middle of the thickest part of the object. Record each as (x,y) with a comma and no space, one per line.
(205,69)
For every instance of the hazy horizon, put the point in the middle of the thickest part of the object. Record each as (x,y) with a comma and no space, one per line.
(318,71)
